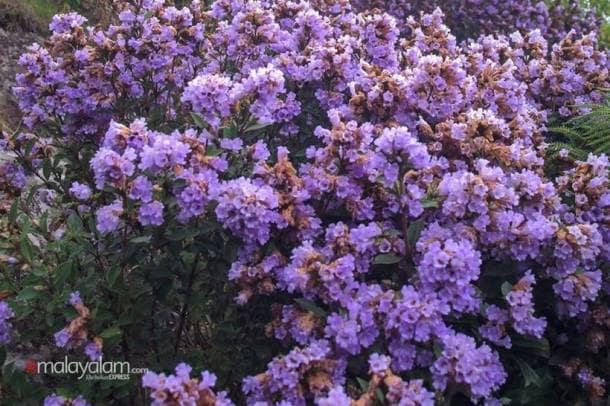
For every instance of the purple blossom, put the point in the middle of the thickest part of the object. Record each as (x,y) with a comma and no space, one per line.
(93,351)
(75,299)
(379,364)
(112,168)
(151,213)
(6,313)
(57,400)
(62,338)
(80,191)
(462,362)
(183,388)
(522,309)
(248,210)
(63,23)
(108,217)
(141,189)
(165,152)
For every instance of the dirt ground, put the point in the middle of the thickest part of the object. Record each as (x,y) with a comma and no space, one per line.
(13,44)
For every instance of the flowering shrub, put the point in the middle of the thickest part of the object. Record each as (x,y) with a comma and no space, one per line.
(355,199)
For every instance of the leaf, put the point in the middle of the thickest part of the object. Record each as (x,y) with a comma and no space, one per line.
(26,249)
(143,239)
(380,396)
(430,203)
(112,275)
(529,375)
(536,346)
(258,126)
(506,288)
(28,293)
(62,273)
(12,216)
(386,259)
(111,332)
(46,168)
(310,306)
(414,231)
(198,120)
(44,220)
(74,222)
(364,385)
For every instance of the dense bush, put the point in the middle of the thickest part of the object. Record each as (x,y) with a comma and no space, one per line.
(318,202)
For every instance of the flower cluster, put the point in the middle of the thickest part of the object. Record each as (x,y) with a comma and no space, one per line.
(462,362)
(57,400)
(181,389)
(377,169)
(6,313)
(75,335)
(12,178)
(303,371)
(468,18)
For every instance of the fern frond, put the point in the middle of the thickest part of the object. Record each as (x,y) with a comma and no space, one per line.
(588,132)
(552,151)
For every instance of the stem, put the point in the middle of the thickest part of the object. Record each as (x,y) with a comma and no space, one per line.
(187,299)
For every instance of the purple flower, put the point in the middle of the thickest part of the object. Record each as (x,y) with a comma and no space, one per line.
(165,152)
(12,177)
(93,351)
(141,189)
(151,214)
(248,210)
(336,397)
(108,217)
(56,400)
(379,364)
(6,313)
(112,168)
(210,95)
(80,191)
(522,309)
(75,298)
(62,338)
(62,23)
(182,388)
(462,362)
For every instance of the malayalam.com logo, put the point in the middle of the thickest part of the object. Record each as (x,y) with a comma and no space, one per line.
(88,370)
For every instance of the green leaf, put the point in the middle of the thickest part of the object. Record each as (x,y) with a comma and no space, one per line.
(311,307)
(13,213)
(74,222)
(46,168)
(111,332)
(529,375)
(364,384)
(63,272)
(258,126)
(144,239)
(44,220)
(112,275)
(386,259)
(198,120)
(536,346)
(230,131)
(26,249)
(430,203)
(28,293)
(414,231)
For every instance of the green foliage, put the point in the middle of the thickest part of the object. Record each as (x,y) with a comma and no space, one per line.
(156,297)
(589,132)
